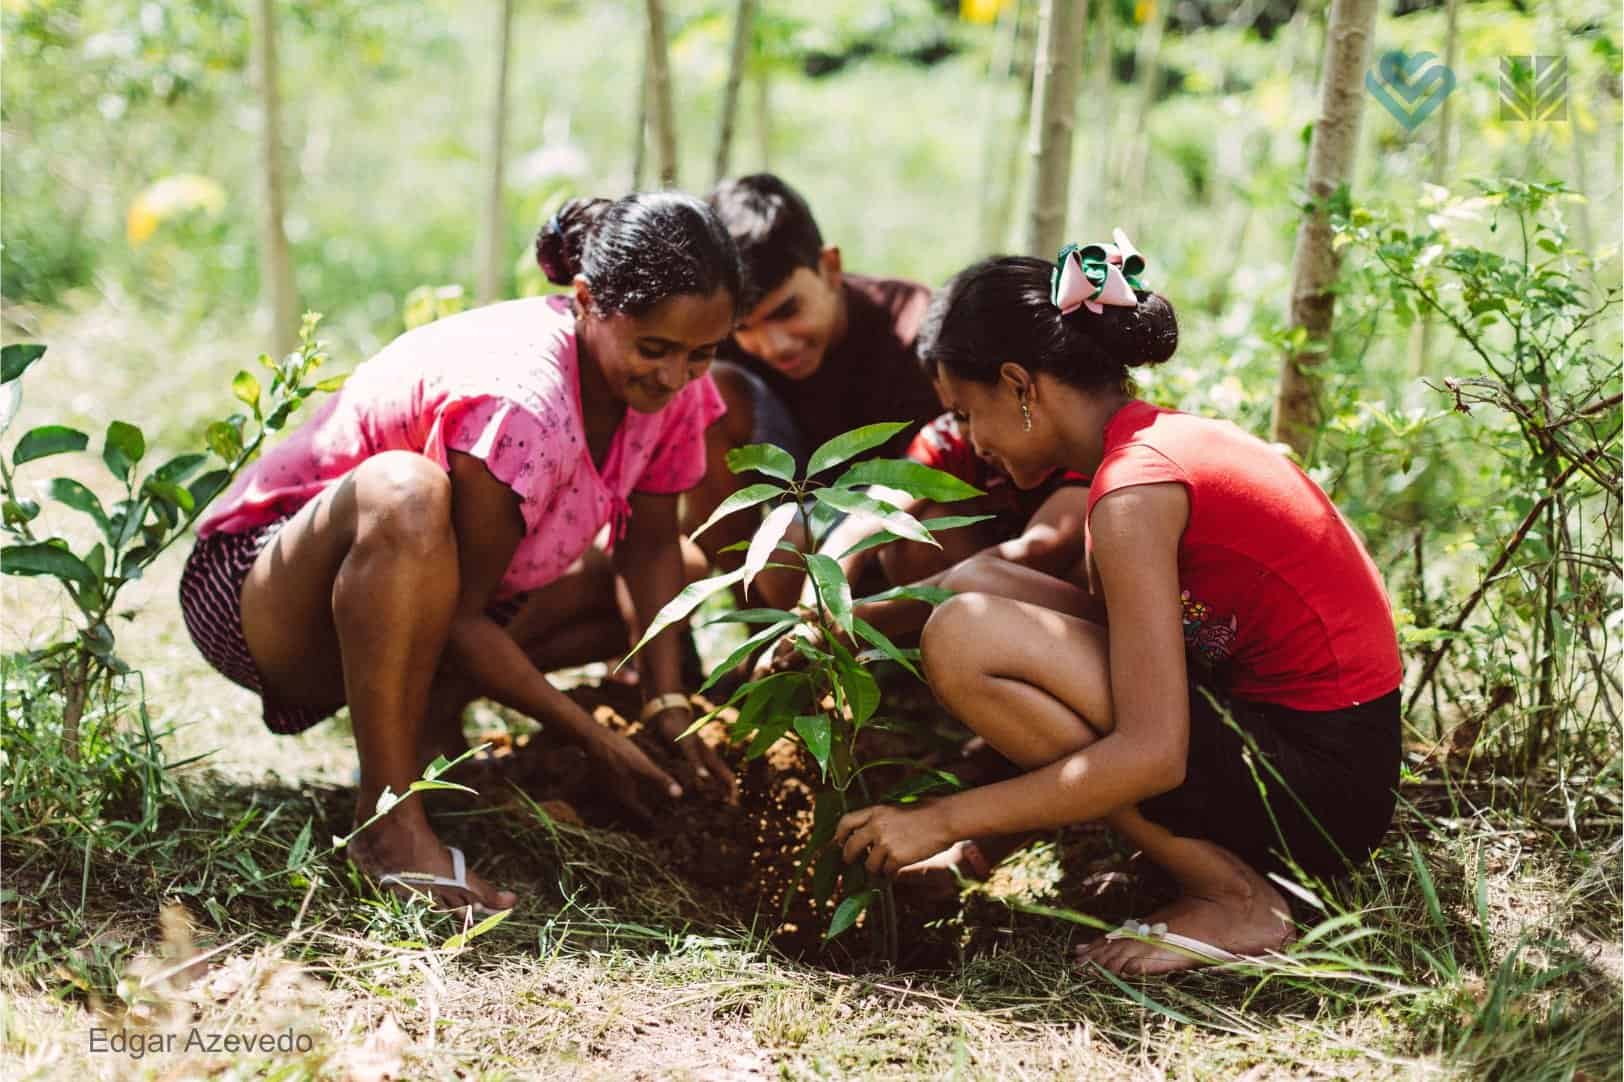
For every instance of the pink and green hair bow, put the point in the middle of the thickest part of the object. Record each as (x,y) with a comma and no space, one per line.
(1094,275)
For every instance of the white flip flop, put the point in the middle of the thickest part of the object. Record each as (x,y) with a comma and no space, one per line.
(424,882)
(1135,929)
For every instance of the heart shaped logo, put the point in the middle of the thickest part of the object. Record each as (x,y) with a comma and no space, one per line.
(1409,86)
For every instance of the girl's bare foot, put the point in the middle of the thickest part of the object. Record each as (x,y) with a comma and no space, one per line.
(391,847)
(1247,918)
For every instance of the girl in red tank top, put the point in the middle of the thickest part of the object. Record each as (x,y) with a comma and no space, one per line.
(1222,691)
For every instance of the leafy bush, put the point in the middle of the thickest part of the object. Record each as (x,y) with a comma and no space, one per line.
(828,703)
(157,508)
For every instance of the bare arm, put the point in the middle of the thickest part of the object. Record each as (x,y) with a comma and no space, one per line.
(649,560)
(485,515)
(1136,533)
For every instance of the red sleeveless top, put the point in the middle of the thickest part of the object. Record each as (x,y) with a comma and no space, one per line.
(1281,603)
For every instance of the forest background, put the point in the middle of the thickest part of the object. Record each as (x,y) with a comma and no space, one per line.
(1466,419)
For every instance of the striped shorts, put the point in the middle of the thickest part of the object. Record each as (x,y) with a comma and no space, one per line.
(211,605)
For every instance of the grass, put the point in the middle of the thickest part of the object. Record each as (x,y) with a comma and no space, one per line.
(1482,943)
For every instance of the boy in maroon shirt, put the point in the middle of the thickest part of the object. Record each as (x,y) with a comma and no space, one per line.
(820,352)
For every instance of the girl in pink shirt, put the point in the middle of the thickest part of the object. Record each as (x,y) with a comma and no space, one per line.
(427,536)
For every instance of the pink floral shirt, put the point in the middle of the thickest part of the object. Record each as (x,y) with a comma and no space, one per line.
(501,383)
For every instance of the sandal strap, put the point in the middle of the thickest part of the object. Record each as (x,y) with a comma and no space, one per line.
(457,880)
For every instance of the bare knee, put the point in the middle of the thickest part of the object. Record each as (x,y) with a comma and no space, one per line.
(969,576)
(403,501)
(947,646)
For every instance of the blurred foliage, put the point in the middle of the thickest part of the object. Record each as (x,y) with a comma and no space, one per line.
(128,130)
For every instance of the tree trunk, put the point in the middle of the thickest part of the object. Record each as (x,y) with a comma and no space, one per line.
(764,116)
(1097,208)
(738,59)
(1006,182)
(1331,156)
(277,291)
(1135,148)
(640,146)
(493,252)
(994,117)
(659,72)
(1054,93)
(1440,172)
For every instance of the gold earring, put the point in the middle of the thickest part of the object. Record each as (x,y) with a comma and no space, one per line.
(1026,415)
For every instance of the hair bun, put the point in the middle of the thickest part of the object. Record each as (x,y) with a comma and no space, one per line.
(560,243)
(1151,333)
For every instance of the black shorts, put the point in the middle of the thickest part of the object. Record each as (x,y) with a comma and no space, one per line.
(1278,786)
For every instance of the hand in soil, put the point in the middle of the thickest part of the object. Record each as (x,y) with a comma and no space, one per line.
(706,766)
(893,837)
(628,772)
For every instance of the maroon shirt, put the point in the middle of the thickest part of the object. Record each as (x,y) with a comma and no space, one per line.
(870,377)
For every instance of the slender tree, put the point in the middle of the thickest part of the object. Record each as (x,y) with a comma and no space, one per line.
(1331,154)
(1439,173)
(662,110)
(1096,209)
(492,256)
(996,145)
(1054,92)
(640,142)
(277,291)
(738,60)
(1133,151)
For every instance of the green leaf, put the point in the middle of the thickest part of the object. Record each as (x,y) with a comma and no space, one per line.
(169,493)
(748,496)
(462,939)
(246,388)
(849,444)
(933,595)
(333,383)
(15,359)
(208,486)
(224,439)
(44,558)
(763,458)
(824,874)
(680,606)
(19,511)
(48,440)
(766,540)
(847,912)
(67,491)
(748,647)
(99,638)
(877,639)
(912,788)
(751,616)
(301,848)
(123,448)
(827,808)
(918,480)
(769,696)
(894,519)
(814,732)
(934,525)
(179,468)
(832,588)
(862,692)
(768,733)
